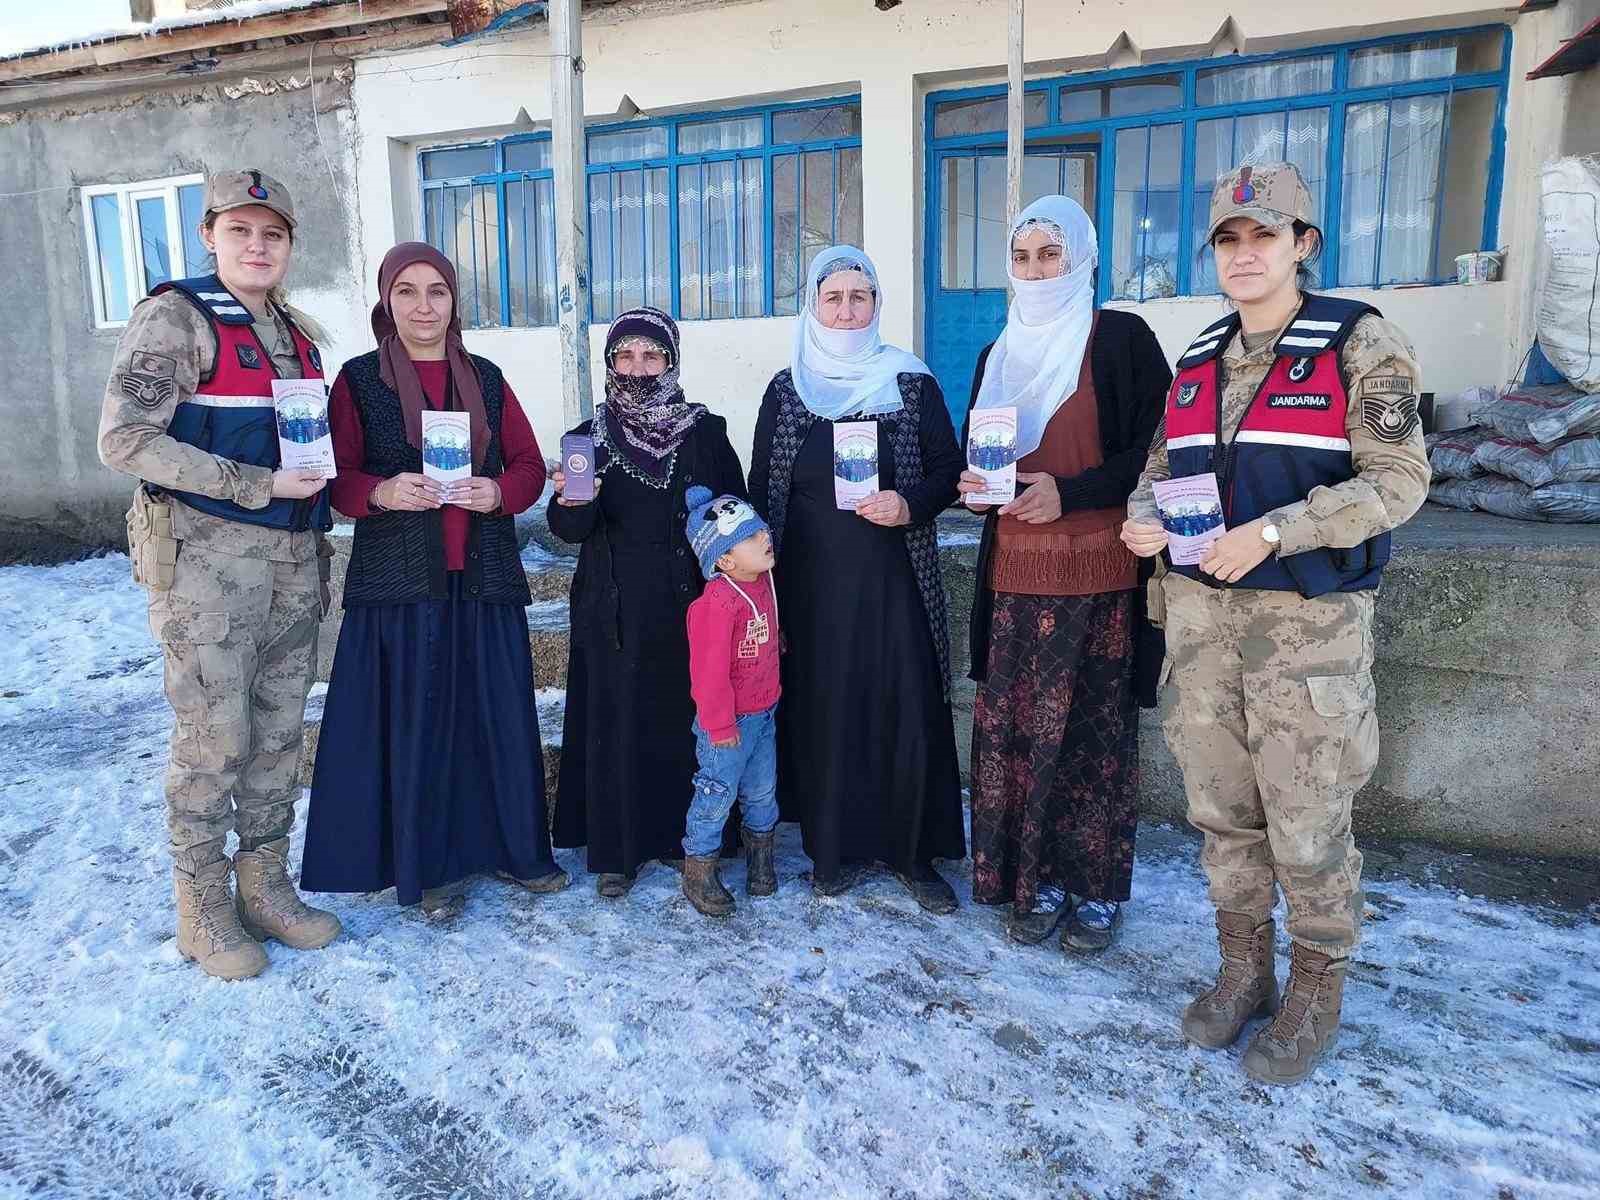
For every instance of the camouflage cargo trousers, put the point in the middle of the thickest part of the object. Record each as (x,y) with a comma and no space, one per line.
(1270,711)
(239,636)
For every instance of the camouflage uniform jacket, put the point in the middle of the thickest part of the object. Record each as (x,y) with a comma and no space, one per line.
(1380,376)
(166,350)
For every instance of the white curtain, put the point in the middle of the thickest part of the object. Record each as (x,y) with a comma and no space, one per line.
(1391,190)
(1299,136)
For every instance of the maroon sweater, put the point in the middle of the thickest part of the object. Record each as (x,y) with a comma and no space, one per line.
(521,483)
(727,684)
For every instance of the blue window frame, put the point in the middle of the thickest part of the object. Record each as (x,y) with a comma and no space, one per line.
(1401,139)
(708,215)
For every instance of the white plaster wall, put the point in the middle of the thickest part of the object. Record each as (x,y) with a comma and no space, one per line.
(709,57)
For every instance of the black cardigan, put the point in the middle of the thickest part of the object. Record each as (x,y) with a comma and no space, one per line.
(1131,381)
(704,457)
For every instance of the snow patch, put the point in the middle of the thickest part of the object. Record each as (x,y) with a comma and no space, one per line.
(568,1047)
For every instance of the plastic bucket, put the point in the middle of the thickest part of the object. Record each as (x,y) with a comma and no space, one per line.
(1481,266)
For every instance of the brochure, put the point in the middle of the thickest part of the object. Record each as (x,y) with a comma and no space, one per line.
(992,453)
(446,446)
(1191,511)
(855,462)
(577,463)
(304,442)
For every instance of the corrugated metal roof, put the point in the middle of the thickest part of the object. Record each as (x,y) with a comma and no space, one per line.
(1578,53)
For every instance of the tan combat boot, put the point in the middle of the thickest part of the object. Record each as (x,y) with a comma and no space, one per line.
(1308,1024)
(209,932)
(269,907)
(1246,985)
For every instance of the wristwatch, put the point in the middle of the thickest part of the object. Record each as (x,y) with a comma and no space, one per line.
(1271,536)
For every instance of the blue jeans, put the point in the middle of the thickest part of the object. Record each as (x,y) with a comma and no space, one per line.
(748,772)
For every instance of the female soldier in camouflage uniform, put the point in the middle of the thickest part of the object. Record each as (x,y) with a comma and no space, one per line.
(229,547)
(1304,407)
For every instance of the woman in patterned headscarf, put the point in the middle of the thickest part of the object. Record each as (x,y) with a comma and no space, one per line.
(627,750)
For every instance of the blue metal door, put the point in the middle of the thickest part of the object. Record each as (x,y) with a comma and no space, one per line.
(967,250)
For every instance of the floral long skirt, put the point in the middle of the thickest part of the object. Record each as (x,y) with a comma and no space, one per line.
(1055,750)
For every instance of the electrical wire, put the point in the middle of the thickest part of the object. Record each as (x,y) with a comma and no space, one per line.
(316,117)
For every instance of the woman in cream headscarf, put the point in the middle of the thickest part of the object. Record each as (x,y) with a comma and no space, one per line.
(1058,625)
(866,748)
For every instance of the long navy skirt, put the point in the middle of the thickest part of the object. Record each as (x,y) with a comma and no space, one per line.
(428,766)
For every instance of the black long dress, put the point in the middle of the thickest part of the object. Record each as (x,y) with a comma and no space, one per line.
(866,746)
(627,754)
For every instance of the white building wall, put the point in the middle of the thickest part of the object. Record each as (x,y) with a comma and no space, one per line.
(706,57)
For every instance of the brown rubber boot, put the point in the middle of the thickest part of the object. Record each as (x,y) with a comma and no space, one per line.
(760,877)
(269,907)
(1308,1023)
(209,932)
(703,886)
(1246,986)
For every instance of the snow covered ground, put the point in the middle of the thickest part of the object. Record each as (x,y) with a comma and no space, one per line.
(566,1047)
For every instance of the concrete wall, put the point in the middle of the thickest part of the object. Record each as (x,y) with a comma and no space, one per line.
(772,49)
(1486,713)
(55,497)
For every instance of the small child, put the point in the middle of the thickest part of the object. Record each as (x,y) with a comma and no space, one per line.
(733,676)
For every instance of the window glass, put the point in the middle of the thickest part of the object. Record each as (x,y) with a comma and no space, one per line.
(107,215)
(462,162)
(463,223)
(1427,58)
(628,145)
(1264,81)
(703,136)
(817,124)
(155,250)
(191,211)
(528,155)
(1144,259)
(956,118)
(1391,167)
(1150,94)
(1299,136)
(1083,104)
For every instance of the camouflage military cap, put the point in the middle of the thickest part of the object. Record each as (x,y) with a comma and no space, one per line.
(1274,194)
(238,189)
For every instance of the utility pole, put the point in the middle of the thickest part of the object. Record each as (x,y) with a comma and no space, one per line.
(1014,126)
(568,149)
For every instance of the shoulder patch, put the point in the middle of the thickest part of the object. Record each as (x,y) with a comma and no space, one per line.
(1389,405)
(148,379)
(1186,394)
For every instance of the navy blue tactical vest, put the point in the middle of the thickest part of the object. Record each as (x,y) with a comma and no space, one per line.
(231,414)
(1292,439)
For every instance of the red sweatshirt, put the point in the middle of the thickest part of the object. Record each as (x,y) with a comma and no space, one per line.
(521,482)
(733,671)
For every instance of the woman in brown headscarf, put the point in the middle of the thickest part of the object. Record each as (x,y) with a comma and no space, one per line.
(429,767)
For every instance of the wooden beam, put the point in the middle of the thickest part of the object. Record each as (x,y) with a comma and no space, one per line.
(229,32)
(1015,130)
(137,77)
(569,147)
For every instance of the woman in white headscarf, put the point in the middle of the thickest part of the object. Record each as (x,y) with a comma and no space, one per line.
(1061,650)
(866,747)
